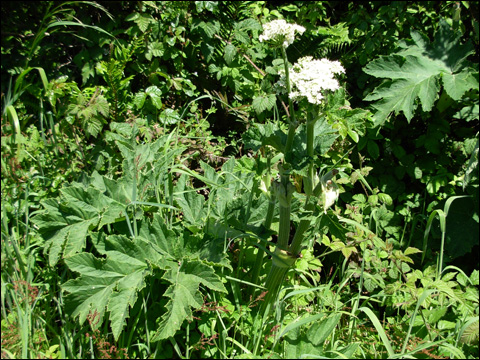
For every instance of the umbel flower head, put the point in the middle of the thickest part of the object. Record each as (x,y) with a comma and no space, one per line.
(311,77)
(280,32)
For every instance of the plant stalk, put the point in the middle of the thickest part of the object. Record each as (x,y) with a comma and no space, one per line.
(293,122)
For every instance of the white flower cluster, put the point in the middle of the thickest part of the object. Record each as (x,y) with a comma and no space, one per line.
(280,31)
(309,77)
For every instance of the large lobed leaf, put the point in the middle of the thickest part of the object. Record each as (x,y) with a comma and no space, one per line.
(64,223)
(109,284)
(415,74)
(112,284)
(184,294)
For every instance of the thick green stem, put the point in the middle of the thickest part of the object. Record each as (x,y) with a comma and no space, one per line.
(284,191)
(298,237)
(305,224)
(311,119)
(284,227)
(289,145)
(274,280)
(260,254)
(282,259)
(309,180)
(293,122)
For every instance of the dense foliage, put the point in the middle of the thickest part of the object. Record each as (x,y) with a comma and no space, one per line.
(162,198)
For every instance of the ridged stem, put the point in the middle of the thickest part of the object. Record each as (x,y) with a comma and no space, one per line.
(293,123)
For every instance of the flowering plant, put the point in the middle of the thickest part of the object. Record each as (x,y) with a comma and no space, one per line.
(280,32)
(308,79)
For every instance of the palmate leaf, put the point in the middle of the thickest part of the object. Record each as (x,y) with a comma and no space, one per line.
(64,223)
(402,93)
(191,204)
(415,74)
(184,294)
(112,283)
(109,284)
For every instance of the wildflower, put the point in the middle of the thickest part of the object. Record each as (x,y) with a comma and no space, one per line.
(311,77)
(280,32)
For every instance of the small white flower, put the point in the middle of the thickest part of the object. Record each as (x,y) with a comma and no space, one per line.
(310,77)
(281,32)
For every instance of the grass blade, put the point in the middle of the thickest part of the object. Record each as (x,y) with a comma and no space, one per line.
(380,330)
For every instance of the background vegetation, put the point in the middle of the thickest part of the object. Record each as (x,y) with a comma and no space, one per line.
(135,138)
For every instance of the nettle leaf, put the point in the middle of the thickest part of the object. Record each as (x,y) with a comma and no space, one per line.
(184,294)
(415,74)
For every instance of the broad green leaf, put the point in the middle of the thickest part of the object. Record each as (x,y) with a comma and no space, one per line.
(262,103)
(191,205)
(230,52)
(164,241)
(139,99)
(241,29)
(325,136)
(321,330)
(143,21)
(420,82)
(457,84)
(108,284)
(373,149)
(298,344)
(155,95)
(385,198)
(155,49)
(412,250)
(209,28)
(184,295)
(436,314)
(415,72)
(474,277)
(172,245)
(65,223)
(169,117)
(259,135)
(470,332)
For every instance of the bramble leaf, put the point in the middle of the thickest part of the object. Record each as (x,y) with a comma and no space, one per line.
(262,103)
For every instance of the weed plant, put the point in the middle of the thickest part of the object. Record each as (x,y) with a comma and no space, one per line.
(197,180)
